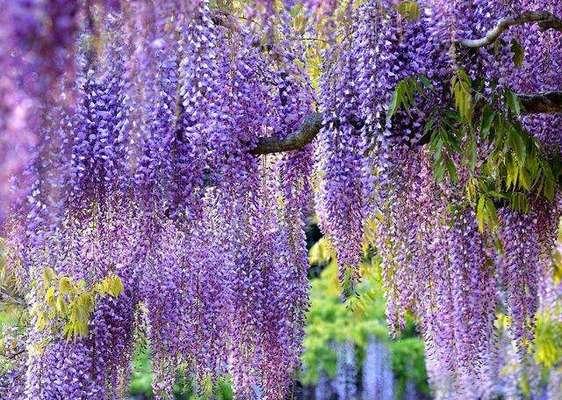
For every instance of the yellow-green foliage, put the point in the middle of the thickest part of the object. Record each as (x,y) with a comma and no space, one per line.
(322,252)
(11,283)
(460,87)
(548,334)
(67,304)
(331,321)
(548,337)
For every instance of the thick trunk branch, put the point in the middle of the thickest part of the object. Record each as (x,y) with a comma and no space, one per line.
(295,141)
(541,103)
(544,19)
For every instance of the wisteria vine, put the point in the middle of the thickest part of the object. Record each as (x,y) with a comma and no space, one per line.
(131,171)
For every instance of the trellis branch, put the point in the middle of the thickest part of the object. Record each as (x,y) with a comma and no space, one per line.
(544,19)
(541,103)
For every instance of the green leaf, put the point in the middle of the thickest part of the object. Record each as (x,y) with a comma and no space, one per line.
(472,189)
(428,128)
(518,53)
(517,144)
(452,140)
(549,181)
(486,213)
(461,89)
(65,285)
(492,213)
(499,125)
(41,321)
(49,276)
(513,102)
(439,170)
(50,297)
(524,179)
(512,174)
(519,202)
(452,170)
(111,285)
(481,213)
(403,96)
(438,147)
(426,83)
(60,305)
(394,102)
(472,153)
(69,331)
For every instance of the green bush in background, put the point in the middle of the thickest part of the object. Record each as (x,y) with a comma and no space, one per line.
(361,317)
(141,382)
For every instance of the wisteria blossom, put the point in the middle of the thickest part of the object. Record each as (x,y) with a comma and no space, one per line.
(160,162)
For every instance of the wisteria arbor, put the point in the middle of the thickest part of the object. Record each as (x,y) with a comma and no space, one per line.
(159,159)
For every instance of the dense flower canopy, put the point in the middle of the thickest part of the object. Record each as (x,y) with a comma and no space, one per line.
(136,199)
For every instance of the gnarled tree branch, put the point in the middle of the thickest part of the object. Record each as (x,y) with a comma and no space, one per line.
(544,19)
(297,140)
(541,103)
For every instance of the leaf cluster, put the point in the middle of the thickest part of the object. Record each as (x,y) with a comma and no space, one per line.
(548,326)
(185,388)
(68,304)
(548,338)
(12,286)
(515,170)
(482,136)
(404,95)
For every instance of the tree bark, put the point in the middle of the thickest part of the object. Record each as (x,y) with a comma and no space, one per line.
(310,127)
(542,103)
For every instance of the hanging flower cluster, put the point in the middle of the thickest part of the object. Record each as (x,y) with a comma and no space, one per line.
(152,181)
(396,76)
